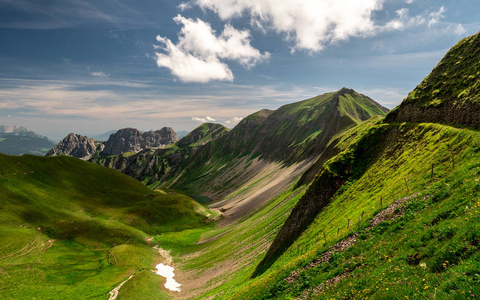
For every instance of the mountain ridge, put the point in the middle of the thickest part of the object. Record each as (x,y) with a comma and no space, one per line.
(18,140)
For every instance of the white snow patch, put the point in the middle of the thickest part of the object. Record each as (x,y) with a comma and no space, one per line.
(167,272)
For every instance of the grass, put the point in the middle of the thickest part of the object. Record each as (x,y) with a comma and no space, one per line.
(72,229)
(432,249)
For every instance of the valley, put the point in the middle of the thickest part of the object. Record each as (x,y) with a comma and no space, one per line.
(333,197)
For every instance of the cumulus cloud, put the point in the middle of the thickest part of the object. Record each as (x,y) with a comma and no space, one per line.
(233,121)
(207,119)
(314,24)
(199,54)
(310,24)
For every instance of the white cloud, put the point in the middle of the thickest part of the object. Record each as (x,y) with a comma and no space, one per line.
(314,24)
(404,20)
(207,119)
(199,54)
(436,16)
(99,74)
(310,24)
(233,121)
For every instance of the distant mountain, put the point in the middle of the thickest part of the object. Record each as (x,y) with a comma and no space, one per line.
(15,140)
(78,146)
(153,165)
(123,141)
(133,140)
(268,150)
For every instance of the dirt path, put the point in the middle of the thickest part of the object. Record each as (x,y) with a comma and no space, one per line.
(114,293)
(165,254)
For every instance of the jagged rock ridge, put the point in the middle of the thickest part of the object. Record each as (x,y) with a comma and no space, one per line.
(152,165)
(124,140)
(133,140)
(76,145)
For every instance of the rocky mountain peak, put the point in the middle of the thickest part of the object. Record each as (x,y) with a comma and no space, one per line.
(77,146)
(133,140)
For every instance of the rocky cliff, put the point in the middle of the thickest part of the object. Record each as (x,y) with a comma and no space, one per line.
(123,141)
(76,145)
(133,140)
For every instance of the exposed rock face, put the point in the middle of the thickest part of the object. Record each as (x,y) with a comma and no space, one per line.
(77,146)
(133,140)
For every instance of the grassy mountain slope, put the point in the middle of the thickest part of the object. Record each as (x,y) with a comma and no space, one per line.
(424,245)
(217,261)
(431,248)
(269,150)
(450,94)
(71,229)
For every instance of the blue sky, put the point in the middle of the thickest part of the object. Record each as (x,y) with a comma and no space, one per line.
(93,66)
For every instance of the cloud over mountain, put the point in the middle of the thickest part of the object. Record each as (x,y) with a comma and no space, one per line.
(199,54)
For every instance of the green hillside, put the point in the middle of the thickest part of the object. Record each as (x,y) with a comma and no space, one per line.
(393,214)
(289,135)
(72,229)
(451,93)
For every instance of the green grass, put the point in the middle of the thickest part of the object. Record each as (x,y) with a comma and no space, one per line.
(440,227)
(71,229)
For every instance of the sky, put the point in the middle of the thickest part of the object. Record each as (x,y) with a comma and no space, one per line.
(93,66)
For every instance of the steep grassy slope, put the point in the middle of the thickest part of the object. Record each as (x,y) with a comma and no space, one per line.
(430,248)
(422,246)
(216,261)
(70,229)
(451,93)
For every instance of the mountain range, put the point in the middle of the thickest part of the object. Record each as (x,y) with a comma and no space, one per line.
(15,140)
(331,197)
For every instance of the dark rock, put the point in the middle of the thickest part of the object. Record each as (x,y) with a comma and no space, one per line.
(133,140)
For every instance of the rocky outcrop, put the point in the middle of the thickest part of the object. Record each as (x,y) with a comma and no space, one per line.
(77,146)
(133,140)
